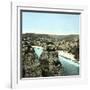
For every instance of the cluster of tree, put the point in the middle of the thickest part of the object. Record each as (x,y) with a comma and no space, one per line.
(68,43)
(47,65)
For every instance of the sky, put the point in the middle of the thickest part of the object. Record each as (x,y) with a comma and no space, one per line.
(50,23)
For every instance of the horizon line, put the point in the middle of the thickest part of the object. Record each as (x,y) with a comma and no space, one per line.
(52,33)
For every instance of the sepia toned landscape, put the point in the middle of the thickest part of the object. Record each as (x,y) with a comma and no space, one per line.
(45,55)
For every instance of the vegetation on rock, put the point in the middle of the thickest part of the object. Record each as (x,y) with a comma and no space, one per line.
(48,63)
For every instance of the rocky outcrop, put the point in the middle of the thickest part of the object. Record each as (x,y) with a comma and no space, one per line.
(47,65)
(50,65)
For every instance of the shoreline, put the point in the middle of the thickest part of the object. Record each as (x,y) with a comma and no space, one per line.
(62,53)
(67,55)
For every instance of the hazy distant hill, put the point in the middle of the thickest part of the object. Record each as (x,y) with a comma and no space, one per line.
(60,37)
(67,37)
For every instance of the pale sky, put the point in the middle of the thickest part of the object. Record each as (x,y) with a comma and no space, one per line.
(50,23)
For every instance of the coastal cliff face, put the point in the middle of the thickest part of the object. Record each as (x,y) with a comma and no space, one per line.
(47,64)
